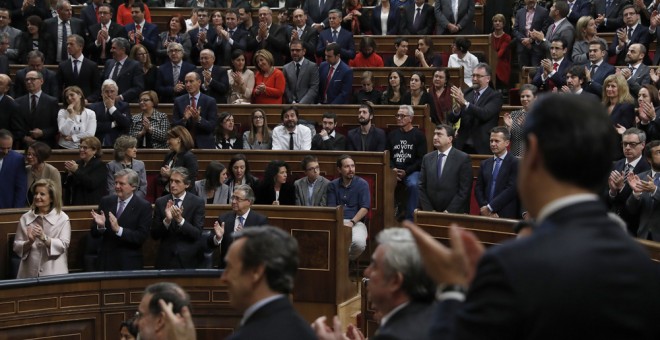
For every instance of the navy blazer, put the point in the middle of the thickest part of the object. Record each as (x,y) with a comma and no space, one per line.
(165,81)
(276,317)
(339,87)
(623,114)
(344,40)
(450,192)
(614,14)
(617,204)
(218,86)
(505,198)
(580,8)
(149,35)
(639,36)
(277,42)
(392,21)
(597,79)
(88,15)
(50,31)
(205,127)
(477,120)
(558,78)
(50,86)
(539,22)
(316,15)
(94,52)
(14,192)
(254,219)
(123,252)
(211,36)
(104,130)
(375,140)
(130,79)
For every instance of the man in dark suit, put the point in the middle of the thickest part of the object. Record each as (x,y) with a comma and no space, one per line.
(55,37)
(20,10)
(450,22)
(90,14)
(528,54)
(12,172)
(366,137)
(215,82)
(8,107)
(336,34)
(126,72)
(101,35)
(302,77)
(113,117)
(78,70)
(167,87)
(267,35)
(608,14)
(573,245)
(552,73)
(633,143)
(177,223)
(140,31)
(335,78)
(575,79)
(231,39)
(598,69)
(478,109)
(36,60)
(578,9)
(445,180)
(419,19)
(202,37)
(305,33)
(196,112)
(632,33)
(318,12)
(123,223)
(645,195)
(36,118)
(495,190)
(637,73)
(329,138)
(242,216)
(174,299)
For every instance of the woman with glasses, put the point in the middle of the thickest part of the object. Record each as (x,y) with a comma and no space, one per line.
(241,80)
(176,33)
(150,126)
(226,136)
(125,154)
(275,189)
(213,188)
(37,168)
(85,178)
(140,53)
(75,121)
(259,136)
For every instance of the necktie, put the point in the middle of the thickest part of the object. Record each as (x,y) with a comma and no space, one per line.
(496,171)
(175,73)
(241,221)
(120,209)
(440,158)
(626,170)
(334,35)
(321,3)
(552,28)
(476,97)
(115,73)
(555,66)
(656,179)
(64,55)
(75,68)
(594,67)
(138,28)
(192,103)
(33,105)
(297,69)
(608,3)
(290,140)
(327,83)
(630,30)
(177,202)
(632,70)
(416,19)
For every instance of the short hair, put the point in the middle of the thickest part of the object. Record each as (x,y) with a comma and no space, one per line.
(181,171)
(55,195)
(123,143)
(368,107)
(335,11)
(448,129)
(577,71)
(78,39)
(152,95)
(562,7)
(264,54)
(340,159)
(628,6)
(485,67)
(94,143)
(409,108)
(197,76)
(649,148)
(108,6)
(168,292)
(564,44)
(529,87)
(297,42)
(642,48)
(402,256)
(635,131)
(42,151)
(603,46)
(133,178)
(306,160)
(6,134)
(330,115)
(563,140)
(174,45)
(498,17)
(38,73)
(249,193)
(138,4)
(36,54)
(334,48)
(399,40)
(212,175)
(122,43)
(463,44)
(109,83)
(60,4)
(233,11)
(182,133)
(503,130)
(274,249)
(287,109)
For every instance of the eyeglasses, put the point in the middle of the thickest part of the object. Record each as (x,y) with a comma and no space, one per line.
(400,116)
(145,100)
(479,76)
(238,199)
(32,79)
(174,51)
(630,144)
(316,168)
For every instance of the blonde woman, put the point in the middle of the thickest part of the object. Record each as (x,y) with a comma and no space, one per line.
(618,101)
(75,121)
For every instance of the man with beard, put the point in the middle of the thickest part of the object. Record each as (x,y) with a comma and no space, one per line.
(366,137)
(329,138)
(632,33)
(291,135)
(302,76)
(645,195)
(575,78)
(636,74)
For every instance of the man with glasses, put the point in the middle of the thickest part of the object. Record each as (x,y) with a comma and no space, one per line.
(202,37)
(12,172)
(552,73)
(311,189)
(632,33)
(78,70)
(101,35)
(267,35)
(215,82)
(241,216)
(35,62)
(172,73)
(478,110)
(302,76)
(36,118)
(113,116)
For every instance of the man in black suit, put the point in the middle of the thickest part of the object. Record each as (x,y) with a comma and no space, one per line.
(637,73)
(336,34)
(577,9)
(269,36)
(177,223)
(123,223)
(598,69)
(214,78)
(631,33)
(304,33)
(478,109)
(495,190)
(366,137)
(233,38)
(196,112)
(127,73)
(36,60)
(575,79)
(113,117)
(445,180)
(204,36)
(241,216)
(55,37)
(101,35)
(419,19)
(140,31)
(167,86)
(20,10)
(552,73)
(78,70)
(608,14)
(329,138)
(8,107)
(36,118)
(645,195)
(90,14)
(542,286)
(633,142)
(261,268)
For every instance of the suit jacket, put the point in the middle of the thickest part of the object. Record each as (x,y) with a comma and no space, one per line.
(309,39)
(597,79)
(539,22)
(277,42)
(14,192)
(50,31)
(8,109)
(50,86)
(205,127)
(221,195)
(130,79)
(641,77)
(265,194)
(165,80)
(344,40)
(254,219)
(639,36)
(392,21)
(87,185)
(185,159)
(44,118)
(564,30)
(527,297)
(319,195)
(121,117)
(623,114)
(426,21)
(338,143)
(375,141)
(218,86)
(88,78)
(123,252)
(445,15)
(149,35)
(88,15)
(239,38)
(617,204)
(276,317)
(115,30)
(614,14)
(450,192)
(580,8)
(317,15)
(211,36)
(19,17)
(304,88)
(179,247)
(505,197)
(477,120)
(410,322)
(557,80)
(647,209)
(340,85)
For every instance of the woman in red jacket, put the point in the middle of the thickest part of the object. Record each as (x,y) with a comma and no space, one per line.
(269,82)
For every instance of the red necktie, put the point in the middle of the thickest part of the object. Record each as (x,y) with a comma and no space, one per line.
(555,66)
(327,82)
(192,103)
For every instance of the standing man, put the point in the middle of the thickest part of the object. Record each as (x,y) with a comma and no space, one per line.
(123,223)
(496,183)
(12,172)
(319,13)
(291,135)
(196,112)
(336,34)
(608,14)
(140,31)
(636,74)
(36,118)
(329,138)
(632,33)
(172,73)
(91,13)
(598,69)
(577,9)
(302,76)
(552,73)
(532,17)
(78,70)
(241,216)
(203,36)
(35,62)
(233,38)
(407,146)
(353,193)
(335,77)
(311,190)
(305,33)
(56,31)
(113,116)
(12,32)
(561,28)
(454,17)
(127,73)
(177,223)
(478,109)
(419,19)
(645,195)
(446,178)
(366,137)
(215,82)
(102,33)
(8,107)
(269,36)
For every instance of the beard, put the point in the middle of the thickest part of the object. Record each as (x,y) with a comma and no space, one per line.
(363,121)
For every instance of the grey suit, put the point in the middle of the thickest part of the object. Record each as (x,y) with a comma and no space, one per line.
(641,77)
(137,166)
(648,209)
(221,195)
(319,196)
(564,30)
(444,15)
(304,88)
(450,192)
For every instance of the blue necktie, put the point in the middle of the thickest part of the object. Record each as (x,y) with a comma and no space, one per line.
(496,171)
(177,202)
(656,179)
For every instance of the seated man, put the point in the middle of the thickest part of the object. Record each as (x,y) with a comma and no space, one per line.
(311,190)
(366,137)
(291,135)
(329,138)
(152,313)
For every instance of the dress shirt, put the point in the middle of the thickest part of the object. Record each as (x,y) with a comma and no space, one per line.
(183,220)
(80,62)
(502,162)
(561,203)
(59,35)
(302,138)
(558,62)
(237,221)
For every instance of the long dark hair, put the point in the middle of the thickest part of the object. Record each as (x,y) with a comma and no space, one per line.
(212,176)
